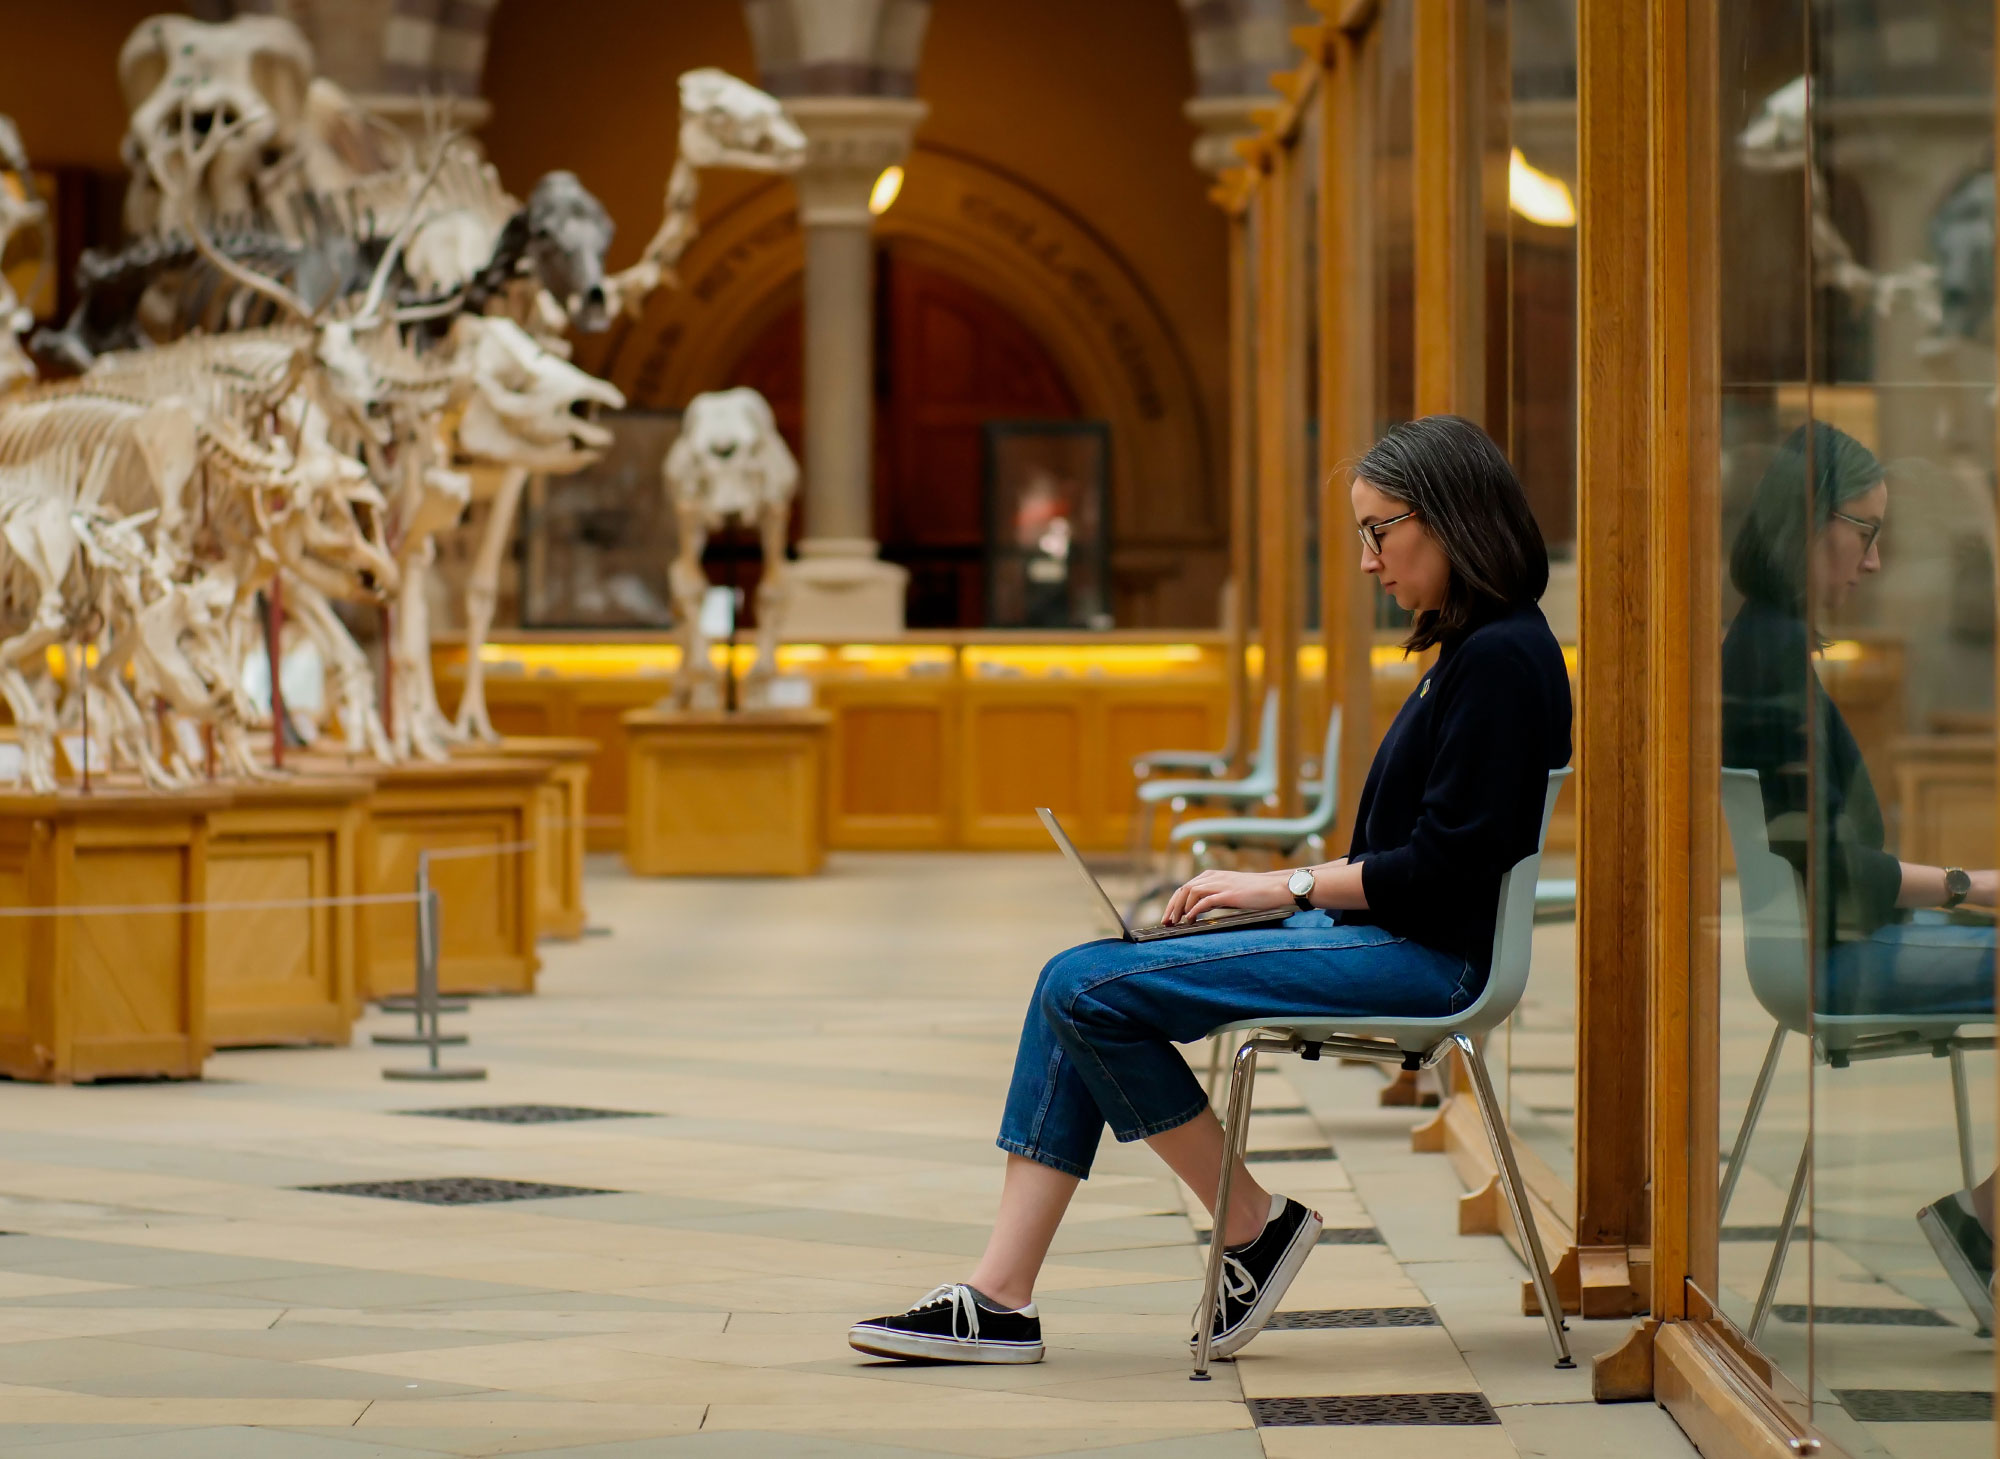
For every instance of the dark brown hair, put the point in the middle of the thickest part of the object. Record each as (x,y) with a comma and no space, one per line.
(1469,499)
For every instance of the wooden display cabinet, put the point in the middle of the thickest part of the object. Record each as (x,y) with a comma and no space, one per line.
(286,973)
(86,997)
(562,815)
(714,794)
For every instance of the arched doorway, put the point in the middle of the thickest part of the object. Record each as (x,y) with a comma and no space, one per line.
(948,359)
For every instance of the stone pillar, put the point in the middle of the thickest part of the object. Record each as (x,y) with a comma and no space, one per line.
(840,588)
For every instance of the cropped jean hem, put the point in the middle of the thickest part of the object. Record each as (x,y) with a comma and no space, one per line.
(1043,1157)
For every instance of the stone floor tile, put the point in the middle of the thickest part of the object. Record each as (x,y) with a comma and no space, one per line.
(1356,1441)
(229,1443)
(1564,1430)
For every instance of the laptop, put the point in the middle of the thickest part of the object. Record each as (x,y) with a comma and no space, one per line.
(1213,922)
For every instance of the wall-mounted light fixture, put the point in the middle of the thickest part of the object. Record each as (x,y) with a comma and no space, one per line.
(1535,195)
(883,195)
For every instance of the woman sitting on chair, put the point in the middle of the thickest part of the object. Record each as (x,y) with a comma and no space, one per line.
(1401,926)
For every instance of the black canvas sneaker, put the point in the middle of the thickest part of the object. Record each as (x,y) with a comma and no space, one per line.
(1256,1274)
(1964,1250)
(953,1324)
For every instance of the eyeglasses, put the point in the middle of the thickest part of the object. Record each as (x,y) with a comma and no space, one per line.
(1371,532)
(1869,530)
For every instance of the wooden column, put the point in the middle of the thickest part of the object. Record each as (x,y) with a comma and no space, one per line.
(1649,726)
(1278,493)
(1232,194)
(1448,90)
(1347,405)
(1617,869)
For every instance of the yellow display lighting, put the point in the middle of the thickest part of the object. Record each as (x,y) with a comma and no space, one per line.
(1843,651)
(888,187)
(1093,661)
(581,660)
(1537,196)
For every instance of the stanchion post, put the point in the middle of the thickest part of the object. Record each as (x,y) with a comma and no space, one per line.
(429,945)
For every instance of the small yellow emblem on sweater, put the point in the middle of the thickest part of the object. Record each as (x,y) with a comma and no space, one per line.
(1423,688)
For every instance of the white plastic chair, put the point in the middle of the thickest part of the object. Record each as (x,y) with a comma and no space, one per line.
(1777,959)
(1413,1043)
(1283,834)
(1257,786)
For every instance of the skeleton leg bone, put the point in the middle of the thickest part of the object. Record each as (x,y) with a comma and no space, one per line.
(482,593)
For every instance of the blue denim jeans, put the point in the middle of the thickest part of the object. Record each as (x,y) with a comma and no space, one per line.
(1912,968)
(1097,1045)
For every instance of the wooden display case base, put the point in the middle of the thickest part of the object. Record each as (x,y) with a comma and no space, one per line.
(285,975)
(478,812)
(562,810)
(712,794)
(115,995)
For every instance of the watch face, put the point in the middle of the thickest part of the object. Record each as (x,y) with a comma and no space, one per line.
(1300,883)
(1956,882)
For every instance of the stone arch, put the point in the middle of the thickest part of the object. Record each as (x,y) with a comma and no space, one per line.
(962,216)
(838,47)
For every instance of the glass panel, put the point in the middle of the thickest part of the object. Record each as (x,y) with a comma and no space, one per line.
(1531,393)
(1899,171)
(1766,670)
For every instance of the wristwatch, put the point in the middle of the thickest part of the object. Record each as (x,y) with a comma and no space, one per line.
(1300,885)
(1957,886)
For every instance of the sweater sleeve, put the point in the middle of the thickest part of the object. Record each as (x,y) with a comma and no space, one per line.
(1491,742)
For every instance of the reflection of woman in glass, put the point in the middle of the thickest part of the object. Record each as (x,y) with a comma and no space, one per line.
(1809,540)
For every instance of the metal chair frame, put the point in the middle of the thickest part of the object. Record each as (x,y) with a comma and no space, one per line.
(1776,957)
(1411,1043)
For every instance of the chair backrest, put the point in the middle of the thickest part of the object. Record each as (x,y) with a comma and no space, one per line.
(1264,759)
(1514,928)
(1774,904)
(1329,769)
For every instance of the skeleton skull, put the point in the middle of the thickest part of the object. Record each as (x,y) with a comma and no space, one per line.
(528,407)
(730,123)
(234,94)
(729,459)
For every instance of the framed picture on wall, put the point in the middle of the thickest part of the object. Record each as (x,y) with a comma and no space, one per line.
(596,545)
(1048,530)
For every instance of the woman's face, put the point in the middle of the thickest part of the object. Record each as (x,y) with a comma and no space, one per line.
(1845,549)
(1413,568)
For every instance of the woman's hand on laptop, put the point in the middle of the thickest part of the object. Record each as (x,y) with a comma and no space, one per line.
(1232,891)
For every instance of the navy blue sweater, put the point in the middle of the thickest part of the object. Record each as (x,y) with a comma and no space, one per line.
(1455,795)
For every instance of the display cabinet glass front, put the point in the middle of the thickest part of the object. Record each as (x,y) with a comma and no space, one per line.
(1854,554)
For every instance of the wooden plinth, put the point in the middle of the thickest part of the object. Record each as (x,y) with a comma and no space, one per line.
(110,995)
(562,807)
(285,974)
(711,794)
(465,805)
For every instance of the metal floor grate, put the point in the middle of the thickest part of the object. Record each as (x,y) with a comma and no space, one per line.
(1428,1409)
(528,1114)
(1916,1405)
(1861,1316)
(1351,1317)
(1331,1236)
(455,1190)
(1305,1152)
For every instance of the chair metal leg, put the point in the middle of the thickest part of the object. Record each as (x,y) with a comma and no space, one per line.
(1235,1139)
(1759,1092)
(1794,1199)
(1961,1100)
(1517,1195)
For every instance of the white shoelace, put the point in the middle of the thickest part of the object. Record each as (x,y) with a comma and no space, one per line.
(1236,1282)
(962,1304)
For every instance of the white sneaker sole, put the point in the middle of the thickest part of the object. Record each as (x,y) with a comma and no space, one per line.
(1230,1343)
(879,1342)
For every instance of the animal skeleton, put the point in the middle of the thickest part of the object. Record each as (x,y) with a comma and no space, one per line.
(728,463)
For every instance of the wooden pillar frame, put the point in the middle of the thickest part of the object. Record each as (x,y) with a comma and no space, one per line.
(1347,390)
(1232,193)
(1449,93)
